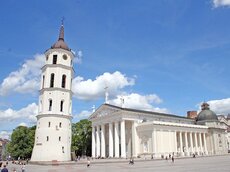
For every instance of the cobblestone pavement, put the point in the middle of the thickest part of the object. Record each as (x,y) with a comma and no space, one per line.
(199,164)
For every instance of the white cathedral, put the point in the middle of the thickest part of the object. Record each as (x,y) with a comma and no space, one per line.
(119,132)
(53,132)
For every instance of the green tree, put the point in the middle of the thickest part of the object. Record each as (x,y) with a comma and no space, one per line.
(22,142)
(81,137)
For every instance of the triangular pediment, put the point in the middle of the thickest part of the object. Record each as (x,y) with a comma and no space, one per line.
(104,110)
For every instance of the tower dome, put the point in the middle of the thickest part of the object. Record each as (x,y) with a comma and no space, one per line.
(206,114)
(60,42)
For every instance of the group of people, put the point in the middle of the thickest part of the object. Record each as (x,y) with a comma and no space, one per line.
(3,168)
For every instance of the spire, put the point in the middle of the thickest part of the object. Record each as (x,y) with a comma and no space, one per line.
(61,34)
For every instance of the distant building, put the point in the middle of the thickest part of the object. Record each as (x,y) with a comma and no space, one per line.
(123,132)
(53,132)
(3,143)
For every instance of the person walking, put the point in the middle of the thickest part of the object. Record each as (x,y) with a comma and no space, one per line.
(88,162)
(4,169)
(172,158)
(23,167)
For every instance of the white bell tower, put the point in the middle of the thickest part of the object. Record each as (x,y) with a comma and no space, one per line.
(53,132)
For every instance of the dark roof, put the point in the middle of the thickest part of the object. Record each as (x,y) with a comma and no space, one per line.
(60,42)
(147,112)
(206,114)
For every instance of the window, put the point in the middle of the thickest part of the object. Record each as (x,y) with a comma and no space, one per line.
(64,57)
(59,138)
(47,58)
(54,59)
(43,81)
(49,124)
(63,81)
(52,80)
(60,125)
(63,149)
(47,138)
(50,105)
(61,105)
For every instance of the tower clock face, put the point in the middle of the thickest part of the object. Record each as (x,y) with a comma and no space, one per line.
(64,57)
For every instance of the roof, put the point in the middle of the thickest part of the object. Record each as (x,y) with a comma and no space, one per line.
(206,114)
(60,42)
(139,111)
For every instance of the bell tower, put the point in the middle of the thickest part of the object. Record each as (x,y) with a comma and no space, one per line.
(53,132)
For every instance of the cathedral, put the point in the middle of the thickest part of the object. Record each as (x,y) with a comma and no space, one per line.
(53,132)
(119,132)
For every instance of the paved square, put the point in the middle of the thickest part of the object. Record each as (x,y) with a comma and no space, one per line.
(199,164)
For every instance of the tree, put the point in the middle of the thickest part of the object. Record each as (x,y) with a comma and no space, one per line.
(81,137)
(22,142)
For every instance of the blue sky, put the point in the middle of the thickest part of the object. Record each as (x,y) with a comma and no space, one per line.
(166,56)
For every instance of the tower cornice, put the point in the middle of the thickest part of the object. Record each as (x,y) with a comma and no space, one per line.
(55,89)
(56,66)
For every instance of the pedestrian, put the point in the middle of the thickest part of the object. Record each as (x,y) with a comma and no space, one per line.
(4,169)
(172,158)
(88,162)
(23,167)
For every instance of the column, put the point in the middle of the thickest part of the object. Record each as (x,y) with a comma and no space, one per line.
(181,147)
(111,140)
(191,143)
(205,145)
(136,140)
(116,135)
(103,140)
(201,145)
(196,146)
(123,144)
(93,142)
(154,142)
(186,143)
(98,141)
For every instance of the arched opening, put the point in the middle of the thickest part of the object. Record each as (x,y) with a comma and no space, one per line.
(50,104)
(63,81)
(43,81)
(52,80)
(54,59)
(61,105)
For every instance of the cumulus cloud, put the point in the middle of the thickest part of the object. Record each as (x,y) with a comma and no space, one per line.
(28,112)
(5,135)
(83,114)
(220,3)
(26,79)
(23,124)
(78,56)
(137,101)
(220,106)
(94,89)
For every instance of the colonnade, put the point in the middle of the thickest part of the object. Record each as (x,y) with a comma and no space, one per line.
(116,141)
(191,143)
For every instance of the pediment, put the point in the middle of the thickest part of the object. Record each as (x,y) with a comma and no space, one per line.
(104,110)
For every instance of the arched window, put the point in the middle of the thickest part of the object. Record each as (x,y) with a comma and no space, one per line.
(49,124)
(59,138)
(50,104)
(43,81)
(52,80)
(47,138)
(61,105)
(60,125)
(54,59)
(63,81)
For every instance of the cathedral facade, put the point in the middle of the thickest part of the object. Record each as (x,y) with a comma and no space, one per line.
(122,132)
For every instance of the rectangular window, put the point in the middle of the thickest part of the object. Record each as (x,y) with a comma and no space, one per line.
(47,138)
(59,138)
(54,59)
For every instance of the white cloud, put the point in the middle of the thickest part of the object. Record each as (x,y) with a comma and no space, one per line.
(28,112)
(78,57)
(23,124)
(26,79)
(84,114)
(219,3)
(94,89)
(136,101)
(220,106)
(5,135)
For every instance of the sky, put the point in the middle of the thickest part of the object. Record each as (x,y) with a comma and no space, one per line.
(163,55)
